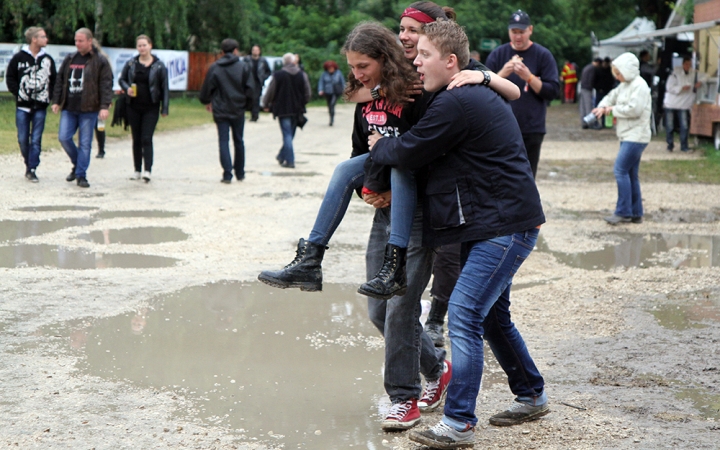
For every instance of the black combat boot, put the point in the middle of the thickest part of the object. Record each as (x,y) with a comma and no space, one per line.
(304,272)
(391,280)
(435,321)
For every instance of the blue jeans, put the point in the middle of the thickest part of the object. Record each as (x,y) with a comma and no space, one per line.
(409,352)
(480,307)
(682,117)
(30,142)
(224,128)
(348,176)
(70,122)
(627,165)
(288,125)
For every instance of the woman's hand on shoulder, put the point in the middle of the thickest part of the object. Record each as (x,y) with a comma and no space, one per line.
(415,89)
(466,77)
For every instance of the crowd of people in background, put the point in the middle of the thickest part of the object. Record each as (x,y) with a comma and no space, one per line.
(448,148)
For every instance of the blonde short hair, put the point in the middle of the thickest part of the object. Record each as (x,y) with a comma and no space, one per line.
(449,38)
(32,32)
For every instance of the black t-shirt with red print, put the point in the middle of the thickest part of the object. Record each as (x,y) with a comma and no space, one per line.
(389,120)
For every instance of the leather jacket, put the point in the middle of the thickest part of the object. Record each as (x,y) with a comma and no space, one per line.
(97,85)
(158,81)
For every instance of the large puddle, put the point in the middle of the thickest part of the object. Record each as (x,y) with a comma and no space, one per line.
(282,366)
(19,256)
(140,235)
(645,250)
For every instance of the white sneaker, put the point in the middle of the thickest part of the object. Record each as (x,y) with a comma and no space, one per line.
(135,176)
(146,176)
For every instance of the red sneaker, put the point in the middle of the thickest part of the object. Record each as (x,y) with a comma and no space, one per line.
(435,391)
(402,416)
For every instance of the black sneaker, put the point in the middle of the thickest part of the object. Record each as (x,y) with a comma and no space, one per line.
(30,175)
(287,165)
(636,219)
(83,182)
(100,155)
(519,413)
(71,177)
(226,181)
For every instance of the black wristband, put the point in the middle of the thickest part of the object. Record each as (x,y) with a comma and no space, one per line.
(486,76)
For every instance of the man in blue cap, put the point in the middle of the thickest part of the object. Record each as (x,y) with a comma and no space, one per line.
(533,69)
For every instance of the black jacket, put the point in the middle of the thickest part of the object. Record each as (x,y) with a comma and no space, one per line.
(262,73)
(97,83)
(31,80)
(227,86)
(158,81)
(479,183)
(288,92)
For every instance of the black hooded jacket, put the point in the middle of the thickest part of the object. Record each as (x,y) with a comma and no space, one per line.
(227,86)
(31,80)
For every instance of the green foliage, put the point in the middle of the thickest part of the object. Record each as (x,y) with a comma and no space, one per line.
(316,29)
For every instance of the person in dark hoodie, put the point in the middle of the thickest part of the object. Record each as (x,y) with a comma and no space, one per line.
(145,80)
(31,78)
(227,89)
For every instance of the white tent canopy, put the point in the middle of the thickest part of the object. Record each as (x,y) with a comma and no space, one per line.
(627,39)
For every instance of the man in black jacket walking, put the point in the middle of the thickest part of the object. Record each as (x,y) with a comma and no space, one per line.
(286,97)
(227,88)
(31,78)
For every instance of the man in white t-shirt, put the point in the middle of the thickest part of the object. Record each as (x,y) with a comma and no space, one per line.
(679,98)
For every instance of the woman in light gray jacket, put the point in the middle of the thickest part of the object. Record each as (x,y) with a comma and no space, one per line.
(631,103)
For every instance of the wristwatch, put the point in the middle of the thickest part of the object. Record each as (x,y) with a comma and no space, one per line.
(486,80)
(376,93)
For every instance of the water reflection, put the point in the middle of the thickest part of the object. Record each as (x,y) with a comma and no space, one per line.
(154,213)
(305,368)
(140,235)
(706,401)
(688,315)
(18,256)
(56,208)
(643,250)
(11,230)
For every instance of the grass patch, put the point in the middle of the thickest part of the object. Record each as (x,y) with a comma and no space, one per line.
(700,171)
(184,113)
(704,171)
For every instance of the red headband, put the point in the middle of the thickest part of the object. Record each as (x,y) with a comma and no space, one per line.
(417,15)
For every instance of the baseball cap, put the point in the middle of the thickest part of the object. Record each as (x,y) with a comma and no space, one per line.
(519,20)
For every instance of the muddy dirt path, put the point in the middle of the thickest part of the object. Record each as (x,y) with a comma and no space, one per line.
(129,315)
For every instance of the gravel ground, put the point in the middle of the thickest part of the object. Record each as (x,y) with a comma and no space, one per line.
(630,354)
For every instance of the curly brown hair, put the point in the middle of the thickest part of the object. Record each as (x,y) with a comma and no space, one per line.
(379,43)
